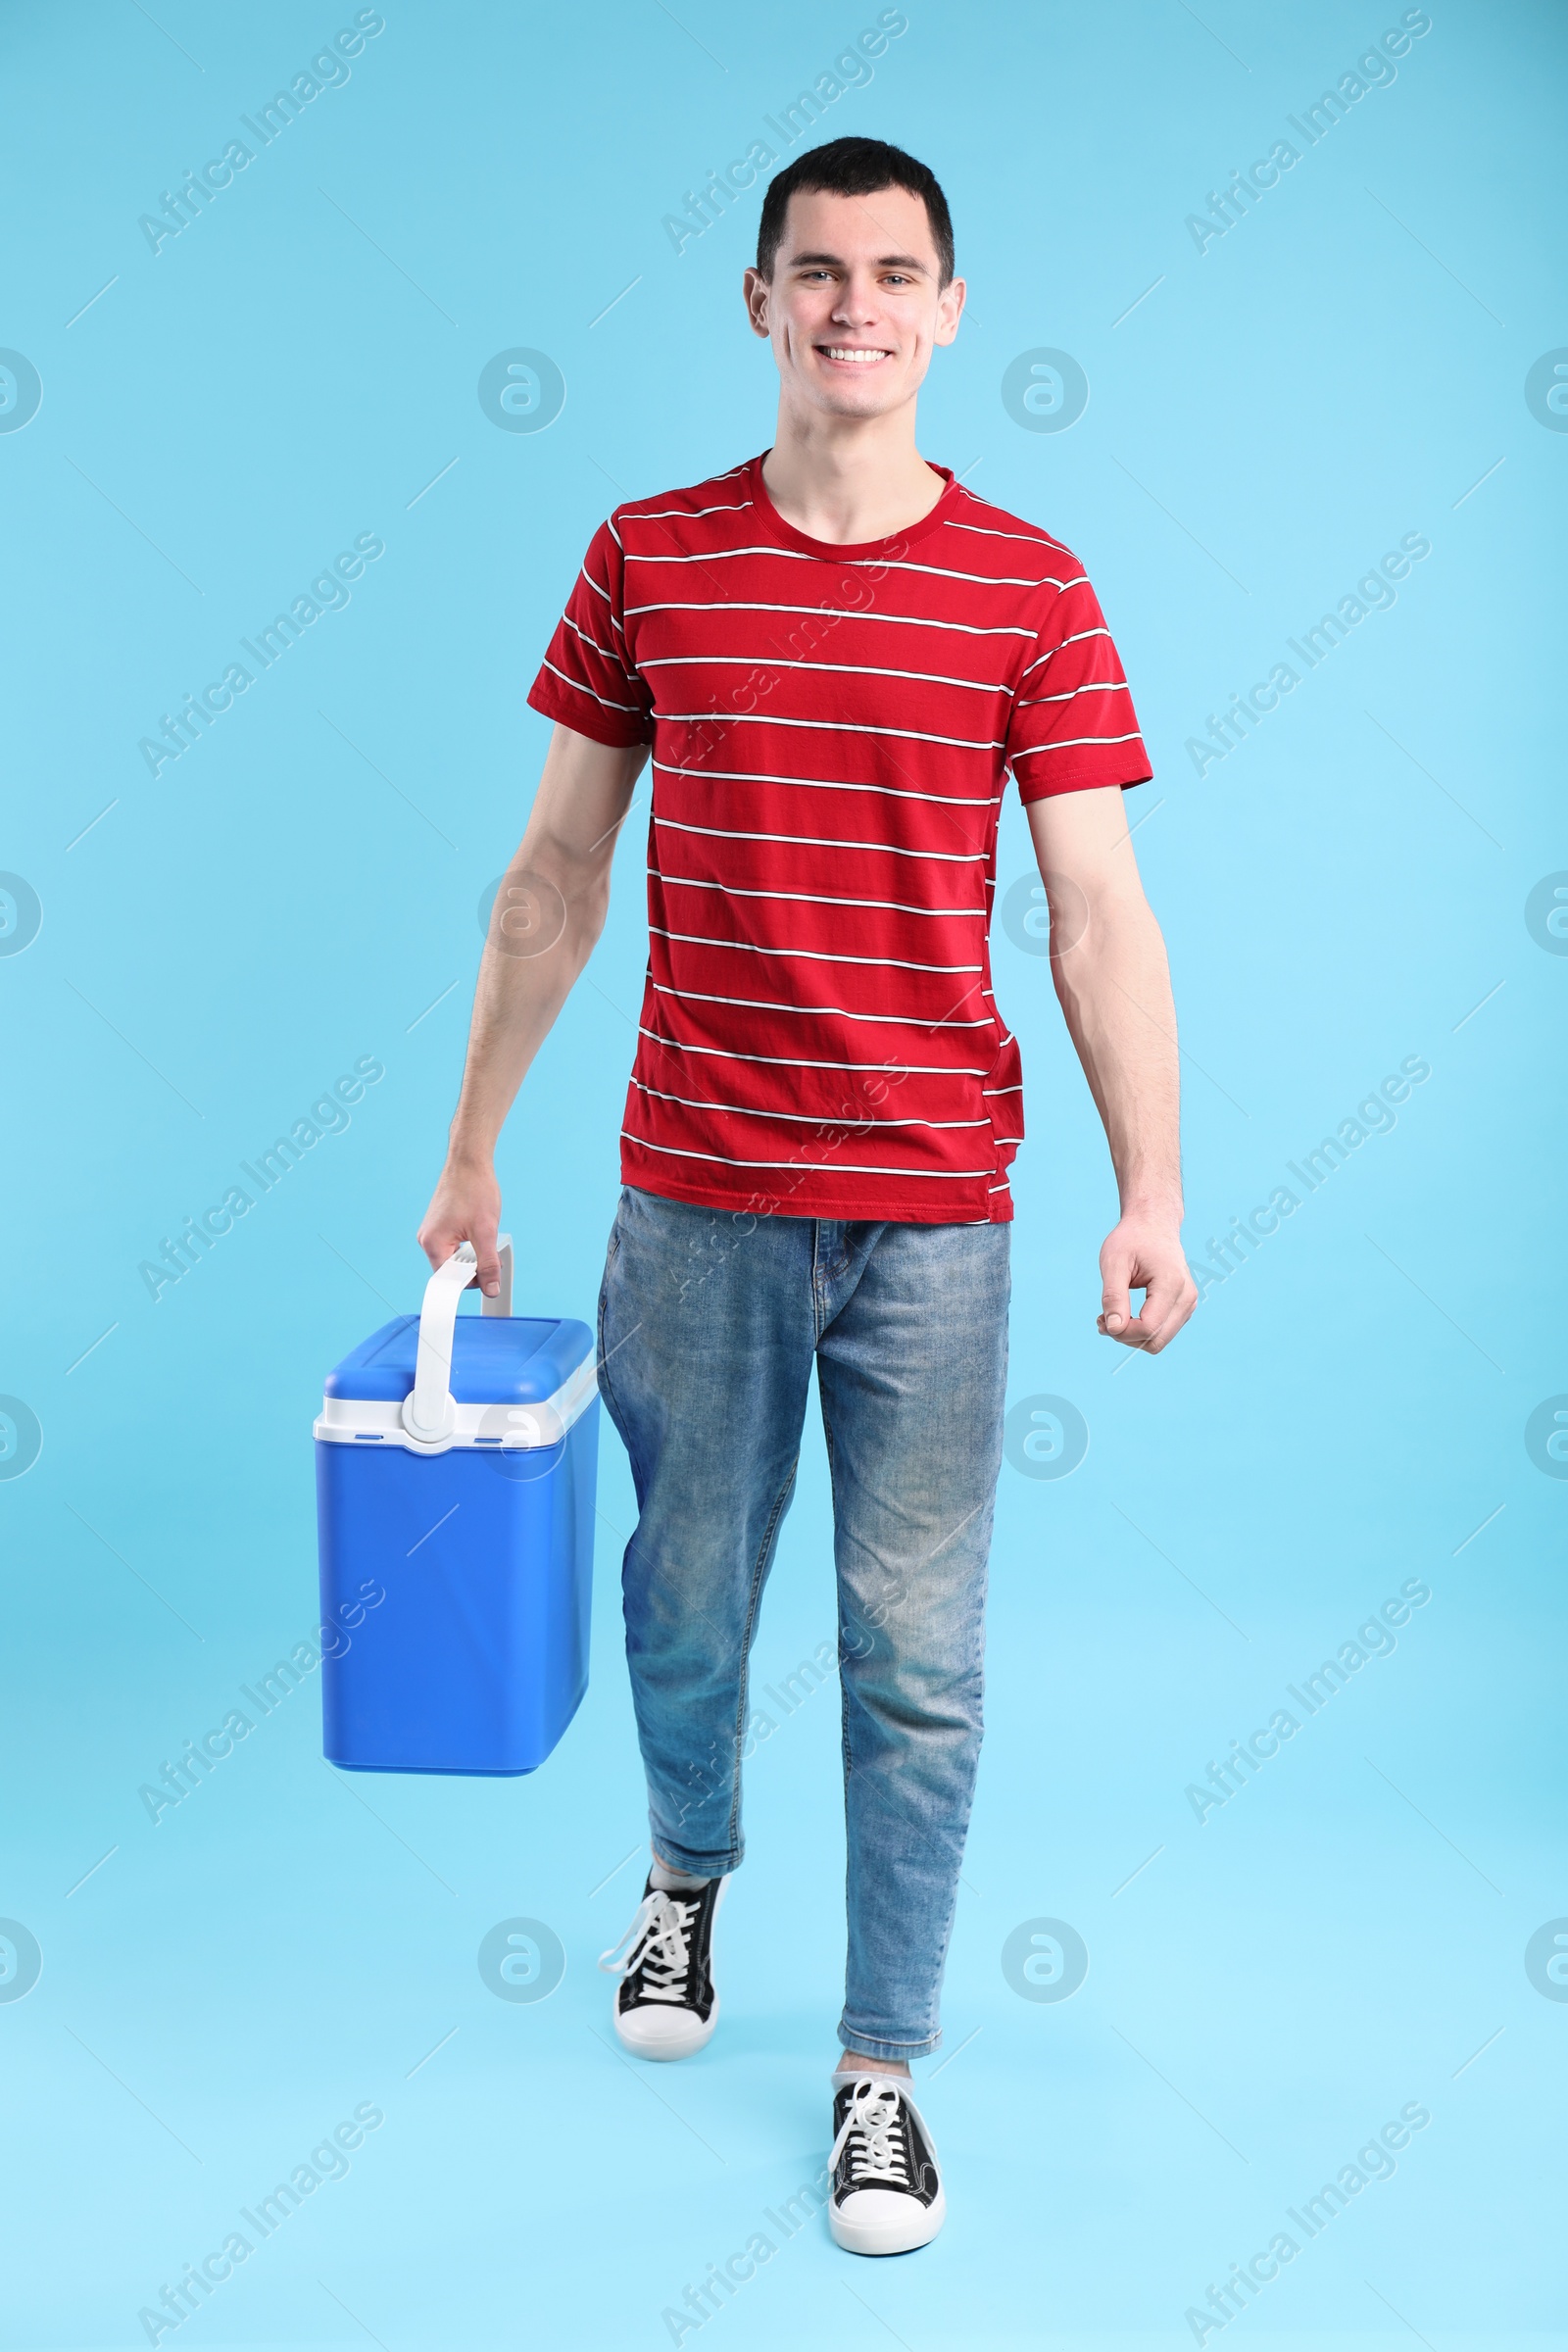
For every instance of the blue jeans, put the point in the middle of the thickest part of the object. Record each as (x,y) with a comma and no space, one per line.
(709,1322)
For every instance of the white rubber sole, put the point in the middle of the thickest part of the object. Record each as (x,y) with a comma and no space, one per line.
(887,2223)
(656,2032)
(665,2033)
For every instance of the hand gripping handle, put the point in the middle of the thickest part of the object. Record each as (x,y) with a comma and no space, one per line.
(430,1412)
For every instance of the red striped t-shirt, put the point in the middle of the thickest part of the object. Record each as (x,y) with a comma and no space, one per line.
(832,730)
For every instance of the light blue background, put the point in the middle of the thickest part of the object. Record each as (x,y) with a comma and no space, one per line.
(300,889)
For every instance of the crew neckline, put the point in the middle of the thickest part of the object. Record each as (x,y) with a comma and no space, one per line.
(849,551)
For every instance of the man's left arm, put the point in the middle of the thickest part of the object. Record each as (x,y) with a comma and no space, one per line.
(1112,978)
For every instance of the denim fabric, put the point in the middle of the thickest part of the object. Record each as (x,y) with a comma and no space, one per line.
(708,1323)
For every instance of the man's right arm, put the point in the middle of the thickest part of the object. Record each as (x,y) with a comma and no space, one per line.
(548,912)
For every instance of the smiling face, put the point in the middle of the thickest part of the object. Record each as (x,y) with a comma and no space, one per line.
(853,308)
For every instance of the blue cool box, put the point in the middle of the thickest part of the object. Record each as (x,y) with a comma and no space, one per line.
(474,1520)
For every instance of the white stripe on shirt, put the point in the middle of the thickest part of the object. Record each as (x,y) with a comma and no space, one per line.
(1024,538)
(1070,743)
(845,1168)
(607,653)
(752,947)
(817,840)
(1032,702)
(659,513)
(833,614)
(811,898)
(1077,638)
(887,1020)
(741,775)
(793,554)
(988,506)
(795,1062)
(803,1118)
(636,708)
(840,669)
(831,726)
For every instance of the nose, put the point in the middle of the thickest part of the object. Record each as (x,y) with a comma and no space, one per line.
(856,301)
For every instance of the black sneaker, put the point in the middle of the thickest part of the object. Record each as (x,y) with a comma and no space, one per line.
(665,2005)
(887,2196)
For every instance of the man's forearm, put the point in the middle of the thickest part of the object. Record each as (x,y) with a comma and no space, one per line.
(548,911)
(1114,990)
(521,990)
(1113,981)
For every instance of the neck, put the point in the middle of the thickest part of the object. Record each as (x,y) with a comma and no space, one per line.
(848,479)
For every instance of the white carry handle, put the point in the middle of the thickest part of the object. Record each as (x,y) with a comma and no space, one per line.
(429,1411)
(500,1303)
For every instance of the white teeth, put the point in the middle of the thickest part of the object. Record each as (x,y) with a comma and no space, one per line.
(834,351)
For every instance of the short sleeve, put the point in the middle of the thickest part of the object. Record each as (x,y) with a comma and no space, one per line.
(1073,725)
(588,680)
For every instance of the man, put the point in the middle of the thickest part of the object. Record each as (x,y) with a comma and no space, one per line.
(837,655)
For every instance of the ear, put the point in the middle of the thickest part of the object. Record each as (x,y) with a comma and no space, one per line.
(757,292)
(950,310)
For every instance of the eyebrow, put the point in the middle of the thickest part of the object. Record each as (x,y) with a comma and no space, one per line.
(834,261)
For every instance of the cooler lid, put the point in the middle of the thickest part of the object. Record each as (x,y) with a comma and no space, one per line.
(496,1360)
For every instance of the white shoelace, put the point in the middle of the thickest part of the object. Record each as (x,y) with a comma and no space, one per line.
(657,1943)
(873,2121)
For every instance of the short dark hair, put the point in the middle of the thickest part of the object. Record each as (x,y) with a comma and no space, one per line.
(852,167)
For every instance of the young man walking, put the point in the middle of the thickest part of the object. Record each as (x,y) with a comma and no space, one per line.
(837,656)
